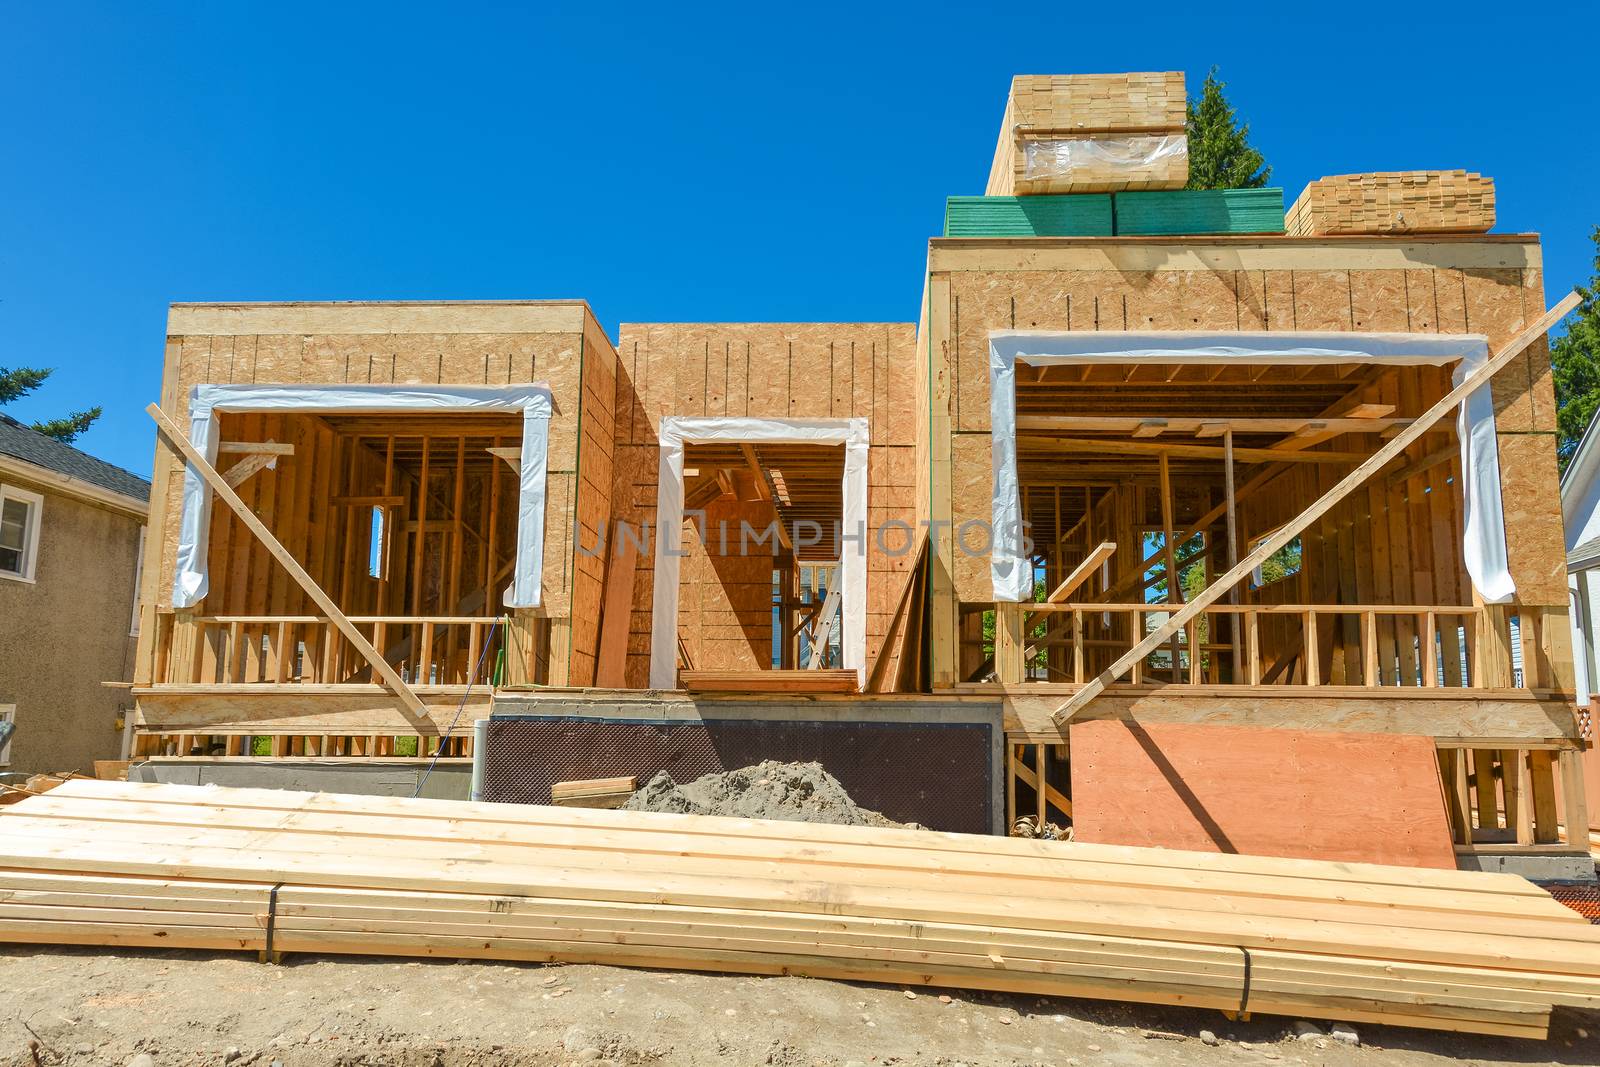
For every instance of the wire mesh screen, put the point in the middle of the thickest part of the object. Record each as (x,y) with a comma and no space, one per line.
(936,774)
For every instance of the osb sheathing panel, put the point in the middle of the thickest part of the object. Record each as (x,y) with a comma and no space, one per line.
(1402,293)
(1534,539)
(592,509)
(725,601)
(763,370)
(380,344)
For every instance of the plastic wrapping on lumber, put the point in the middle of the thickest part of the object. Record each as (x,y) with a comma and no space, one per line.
(1102,158)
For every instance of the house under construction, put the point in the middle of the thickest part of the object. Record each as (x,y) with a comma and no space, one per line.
(1163,521)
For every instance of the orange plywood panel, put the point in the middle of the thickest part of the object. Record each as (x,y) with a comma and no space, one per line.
(1367,798)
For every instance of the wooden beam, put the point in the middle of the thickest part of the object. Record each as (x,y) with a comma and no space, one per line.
(1428,462)
(1350,422)
(380,666)
(248,467)
(765,490)
(1152,448)
(375,500)
(1292,529)
(1081,573)
(616,613)
(1170,551)
(1231,505)
(512,454)
(880,666)
(1069,585)
(819,642)
(254,448)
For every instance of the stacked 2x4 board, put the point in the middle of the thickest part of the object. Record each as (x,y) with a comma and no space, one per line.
(1091,133)
(119,864)
(1415,201)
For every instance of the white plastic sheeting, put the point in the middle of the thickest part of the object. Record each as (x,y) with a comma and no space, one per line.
(677,432)
(1484,540)
(1099,157)
(191,580)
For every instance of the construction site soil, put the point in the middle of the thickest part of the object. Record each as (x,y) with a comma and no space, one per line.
(153,1008)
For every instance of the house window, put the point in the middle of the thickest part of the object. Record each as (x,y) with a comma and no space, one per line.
(19,532)
(8,713)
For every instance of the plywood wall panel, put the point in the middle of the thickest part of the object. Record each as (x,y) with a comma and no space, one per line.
(1495,308)
(1541,385)
(1535,541)
(972,488)
(1279,287)
(1321,300)
(1380,301)
(1449,299)
(1250,293)
(768,370)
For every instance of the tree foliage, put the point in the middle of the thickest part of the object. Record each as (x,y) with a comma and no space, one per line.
(19,382)
(1575,357)
(1220,154)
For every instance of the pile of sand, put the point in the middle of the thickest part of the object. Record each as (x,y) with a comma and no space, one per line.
(791,792)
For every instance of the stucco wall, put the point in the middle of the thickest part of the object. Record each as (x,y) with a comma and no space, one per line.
(63,635)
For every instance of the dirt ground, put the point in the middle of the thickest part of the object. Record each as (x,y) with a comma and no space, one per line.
(160,1008)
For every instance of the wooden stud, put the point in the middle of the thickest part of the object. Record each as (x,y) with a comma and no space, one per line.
(1286,533)
(197,462)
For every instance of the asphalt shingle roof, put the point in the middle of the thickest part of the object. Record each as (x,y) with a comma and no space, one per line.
(31,446)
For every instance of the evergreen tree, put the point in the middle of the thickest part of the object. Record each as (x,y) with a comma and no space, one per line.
(1575,357)
(1220,155)
(18,383)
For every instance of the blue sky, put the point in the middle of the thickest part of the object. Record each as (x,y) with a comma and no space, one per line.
(664,162)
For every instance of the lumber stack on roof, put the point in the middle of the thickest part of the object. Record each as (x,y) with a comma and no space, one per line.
(1028,216)
(1091,133)
(1198,211)
(1413,201)
(111,863)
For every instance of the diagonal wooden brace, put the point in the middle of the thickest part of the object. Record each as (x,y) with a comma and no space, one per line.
(1292,529)
(380,666)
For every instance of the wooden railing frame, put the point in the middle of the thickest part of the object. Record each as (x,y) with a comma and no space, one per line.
(1427,617)
(182,647)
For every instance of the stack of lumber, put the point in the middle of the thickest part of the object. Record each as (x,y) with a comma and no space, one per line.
(1199,211)
(594,792)
(1028,216)
(1091,133)
(1414,201)
(111,863)
(800,680)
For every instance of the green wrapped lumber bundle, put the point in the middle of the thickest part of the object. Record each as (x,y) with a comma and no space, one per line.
(1199,211)
(1029,216)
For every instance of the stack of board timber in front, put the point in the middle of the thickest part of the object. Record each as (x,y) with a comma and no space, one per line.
(1415,201)
(1091,133)
(120,864)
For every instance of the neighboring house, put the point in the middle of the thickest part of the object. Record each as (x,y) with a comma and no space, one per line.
(71,529)
(1580,512)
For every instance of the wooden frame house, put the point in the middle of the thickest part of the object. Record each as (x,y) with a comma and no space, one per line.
(1290,482)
